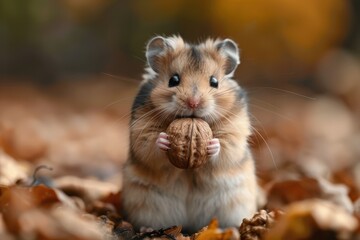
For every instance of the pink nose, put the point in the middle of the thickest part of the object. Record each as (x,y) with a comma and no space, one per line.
(193,102)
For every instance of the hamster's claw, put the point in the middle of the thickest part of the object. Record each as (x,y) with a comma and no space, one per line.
(213,148)
(162,141)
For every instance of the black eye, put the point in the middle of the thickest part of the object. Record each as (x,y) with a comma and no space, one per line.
(214,82)
(174,80)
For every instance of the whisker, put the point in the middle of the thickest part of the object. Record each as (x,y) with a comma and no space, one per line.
(229,113)
(273,112)
(126,79)
(117,102)
(150,121)
(285,91)
(267,146)
(267,104)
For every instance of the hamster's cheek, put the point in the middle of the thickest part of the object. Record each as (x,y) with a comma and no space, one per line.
(171,108)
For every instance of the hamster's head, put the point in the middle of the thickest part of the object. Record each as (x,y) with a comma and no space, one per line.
(193,80)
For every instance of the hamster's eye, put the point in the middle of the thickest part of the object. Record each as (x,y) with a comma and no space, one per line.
(214,82)
(174,80)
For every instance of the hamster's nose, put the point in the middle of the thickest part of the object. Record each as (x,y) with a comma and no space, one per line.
(193,102)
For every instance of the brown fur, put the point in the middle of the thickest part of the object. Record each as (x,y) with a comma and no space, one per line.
(157,194)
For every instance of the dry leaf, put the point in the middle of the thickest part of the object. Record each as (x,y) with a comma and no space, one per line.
(313,219)
(124,230)
(283,193)
(114,199)
(351,179)
(59,223)
(336,193)
(87,189)
(15,200)
(43,213)
(162,234)
(11,170)
(212,232)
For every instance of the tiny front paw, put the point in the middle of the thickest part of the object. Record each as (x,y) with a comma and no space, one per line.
(213,148)
(162,141)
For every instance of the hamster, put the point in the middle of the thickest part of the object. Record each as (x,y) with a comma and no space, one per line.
(185,80)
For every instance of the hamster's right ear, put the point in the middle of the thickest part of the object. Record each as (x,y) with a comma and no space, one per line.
(230,51)
(154,49)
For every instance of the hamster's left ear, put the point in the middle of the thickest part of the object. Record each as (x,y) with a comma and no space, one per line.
(230,51)
(155,47)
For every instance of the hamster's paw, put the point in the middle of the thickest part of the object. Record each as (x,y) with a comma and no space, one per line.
(213,148)
(162,141)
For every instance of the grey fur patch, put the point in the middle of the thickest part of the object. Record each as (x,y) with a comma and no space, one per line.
(196,57)
(143,96)
(241,95)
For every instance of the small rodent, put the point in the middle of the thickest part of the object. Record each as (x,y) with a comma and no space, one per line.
(185,80)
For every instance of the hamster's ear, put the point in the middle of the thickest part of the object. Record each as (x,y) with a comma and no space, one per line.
(230,51)
(154,48)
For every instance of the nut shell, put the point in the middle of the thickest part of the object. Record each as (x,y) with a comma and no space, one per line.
(189,138)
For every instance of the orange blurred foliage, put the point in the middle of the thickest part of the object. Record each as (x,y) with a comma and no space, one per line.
(281,34)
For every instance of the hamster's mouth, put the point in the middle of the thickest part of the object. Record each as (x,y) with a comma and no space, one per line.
(185,116)
(186,113)
(198,113)
(189,116)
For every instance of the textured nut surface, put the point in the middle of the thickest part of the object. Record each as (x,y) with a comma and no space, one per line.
(189,138)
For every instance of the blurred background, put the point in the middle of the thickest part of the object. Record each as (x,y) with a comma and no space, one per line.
(281,41)
(70,69)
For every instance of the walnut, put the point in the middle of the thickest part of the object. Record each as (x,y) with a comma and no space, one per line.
(189,138)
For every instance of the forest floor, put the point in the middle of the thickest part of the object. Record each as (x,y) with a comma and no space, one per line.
(62,148)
